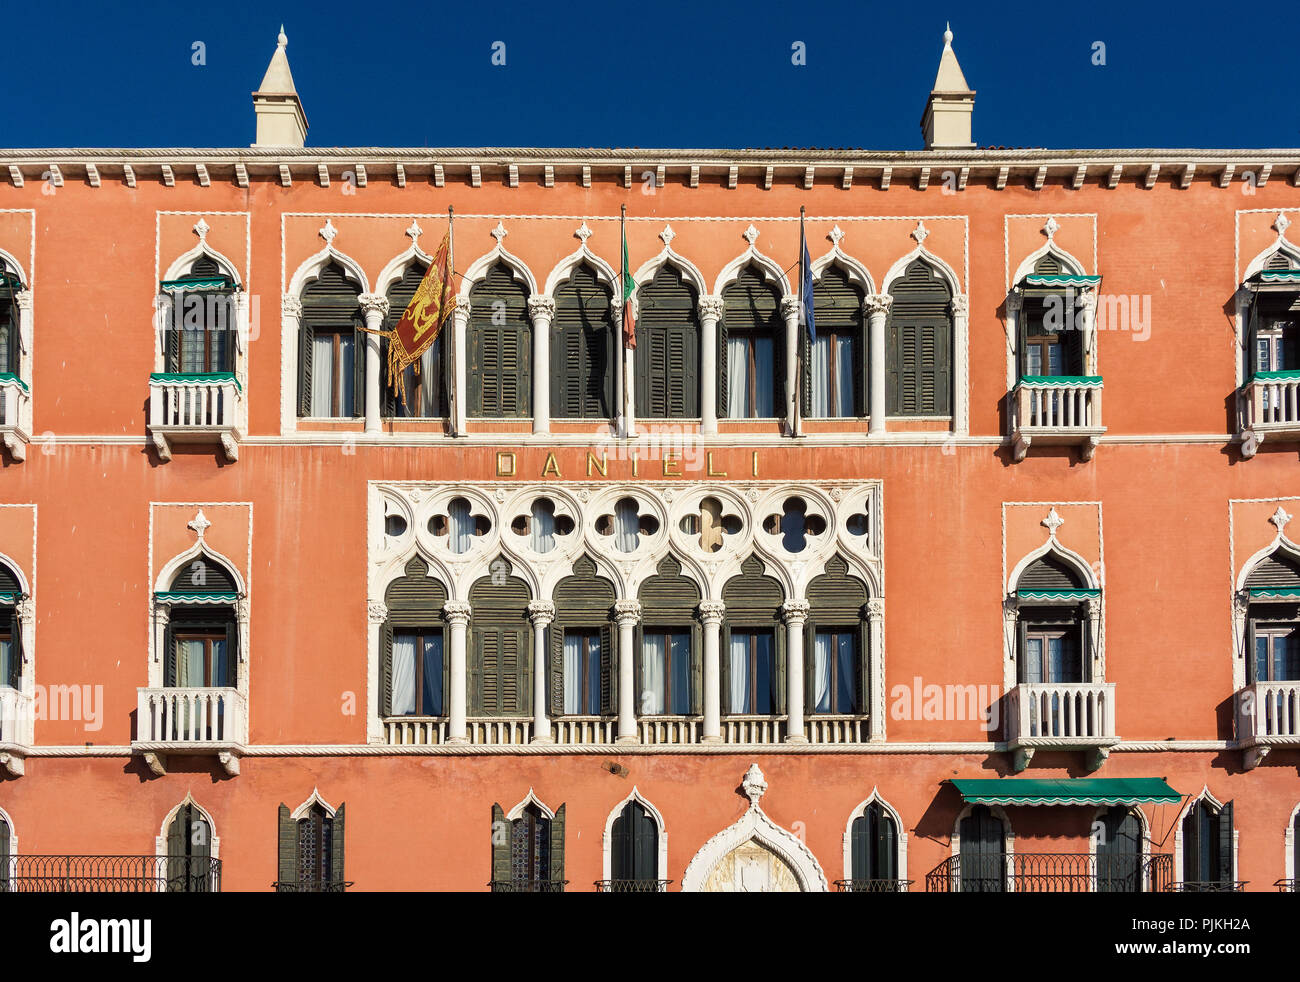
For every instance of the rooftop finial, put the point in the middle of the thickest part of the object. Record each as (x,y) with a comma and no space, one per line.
(282,40)
(947,34)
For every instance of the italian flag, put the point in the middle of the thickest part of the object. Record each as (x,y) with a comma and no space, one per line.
(629,319)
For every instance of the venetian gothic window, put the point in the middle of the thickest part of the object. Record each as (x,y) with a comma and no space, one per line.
(200,339)
(583,349)
(528,850)
(1052,626)
(424,381)
(413,664)
(918,345)
(189,867)
(1051,345)
(668,671)
(1273,619)
(835,366)
(836,643)
(582,676)
(11,648)
(201,643)
(634,851)
(1208,862)
(983,855)
(500,346)
(9,340)
(1119,851)
(751,348)
(1273,322)
(500,663)
(311,850)
(667,348)
(331,360)
(873,846)
(753,672)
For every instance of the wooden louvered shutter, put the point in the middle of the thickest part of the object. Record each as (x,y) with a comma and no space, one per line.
(4,856)
(721,368)
(518,671)
(724,668)
(893,369)
(484,675)
(386,669)
(1225,874)
(936,370)
(288,852)
(501,871)
(556,648)
(178,831)
(305,335)
(779,657)
(172,340)
(1023,674)
(886,846)
(863,680)
(810,666)
(169,655)
(805,371)
(644,844)
(1085,646)
(557,846)
(608,680)
(861,846)
(697,669)
(15,648)
(860,374)
(653,381)
(336,870)
(683,374)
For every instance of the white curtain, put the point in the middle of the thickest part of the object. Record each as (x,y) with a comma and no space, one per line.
(189,663)
(573,674)
(462,525)
(403,674)
(6,653)
(347,374)
(543,528)
(652,674)
(822,655)
(740,674)
(626,525)
(737,377)
(322,375)
(844,372)
(219,668)
(821,375)
(764,379)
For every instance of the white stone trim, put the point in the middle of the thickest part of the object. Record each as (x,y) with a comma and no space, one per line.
(858,810)
(858,273)
(757,826)
(529,799)
(772,271)
(605,273)
(312,799)
(669,256)
(946,272)
(607,842)
(1288,843)
(27,625)
(160,843)
(478,269)
(13,838)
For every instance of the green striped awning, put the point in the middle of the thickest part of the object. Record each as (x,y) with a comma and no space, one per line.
(7,598)
(1275,593)
(1056,594)
(1050,381)
(11,377)
(1290,375)
(1067,791)
(1061,279)
(1279,276)
(194,597)
(195,377)
(213,284)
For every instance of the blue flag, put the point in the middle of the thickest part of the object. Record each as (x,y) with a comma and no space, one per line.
(806,285)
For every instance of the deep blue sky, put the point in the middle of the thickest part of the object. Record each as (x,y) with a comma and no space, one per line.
(654,73)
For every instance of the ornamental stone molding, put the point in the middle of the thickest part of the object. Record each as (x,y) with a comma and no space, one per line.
(795,611)
(541,612)
(712,611)
(877,303)
(456,612)
(376,611)
(582,513)
(541,306)
(291,307)
(1015,302)
(960,305)
(24,299)
(754,854)
(627,612)
(373,303)
(711,306)
(876,608)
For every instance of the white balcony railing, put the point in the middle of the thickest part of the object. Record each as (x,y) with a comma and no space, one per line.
(836,729)
(1269,713)
(191,719)
(753,729)
(15,403)
(1270,406)
(196,409)
(669,729)
(1057,412)
(15,718)
(1061,715)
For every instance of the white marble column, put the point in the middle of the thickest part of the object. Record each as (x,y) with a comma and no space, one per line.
(375,309)
(456,614)
(710,313)
(376,614)
(290,325)
(1015,304)
(711,612)
(627,614)
(790,312)
(162,614)
(541,613)
(796,616)
(1087,303)
(875,667)
(876,308)
(541,311)
(961,368)
(460,366)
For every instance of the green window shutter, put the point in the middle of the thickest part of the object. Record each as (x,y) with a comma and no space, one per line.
(721,364)
(172,342)
(336,871)
(805,372)
(386,669)
(169,655)
(500,844)
(4,856)
(500,341)
(582,367)
(178,832)
(485,675)
(697,668)
(232,651)
(518,674)
(359,341)
(781,699)
(893,380)
(920,328)
(1022,646)
(556,648)
(328,303)
(288,854)
(809,666)
(1225,874)
(724,668)
(667,333)
(863,681)
(608,679)
(557,846)
(16,648)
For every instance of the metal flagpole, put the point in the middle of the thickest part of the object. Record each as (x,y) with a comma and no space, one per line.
(797,428)
(452,347)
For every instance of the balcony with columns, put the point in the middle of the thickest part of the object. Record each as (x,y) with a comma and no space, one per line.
(1270,409)
(16,729)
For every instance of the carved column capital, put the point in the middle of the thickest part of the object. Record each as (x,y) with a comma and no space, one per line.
(376,611)
(711,611)
(711,306)
(541,612)
(877,304)
(1086,299)
(242,610)
(541,305)
(1014,302)
(290,307)
(1010,608)
(627,612)
(26,610)
(795,611)
(876,609)
(1240,604)
(456,612)
(789,307)
(162,614)
(373,303)
(462,309)
(959,305)
(24,299)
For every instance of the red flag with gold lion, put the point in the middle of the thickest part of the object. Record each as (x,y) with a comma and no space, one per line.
(422,321)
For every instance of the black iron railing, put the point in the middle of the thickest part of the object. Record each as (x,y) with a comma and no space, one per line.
(873,886)
(1043,872)
(1287,886)
(527,886)
(1210,886)
(632,886)
(311,886)
(111,874)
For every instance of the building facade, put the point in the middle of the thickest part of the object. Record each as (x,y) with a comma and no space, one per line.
(732,609)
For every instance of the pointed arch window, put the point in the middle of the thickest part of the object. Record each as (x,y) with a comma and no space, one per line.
(983,852)
(753,646)
(874,838)
(190,865)
(500,670)
(331,362)
(837,641)
(582,677)
(1273,619)
(1208,849)
(1119,851)
(201,339)
(1273,322)
(424,382)
(528,850)
(669,671)
(6,848)
(836,366)
(583,350)
(9,321)
(201,643)
(634,852)
(667,347)
(1051,341)
(11,639)
(500,349)
(413,667)
(919,344)
(1053,623)
(750,348)
(311,849)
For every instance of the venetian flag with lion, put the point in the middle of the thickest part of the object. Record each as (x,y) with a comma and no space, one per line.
(424,317)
